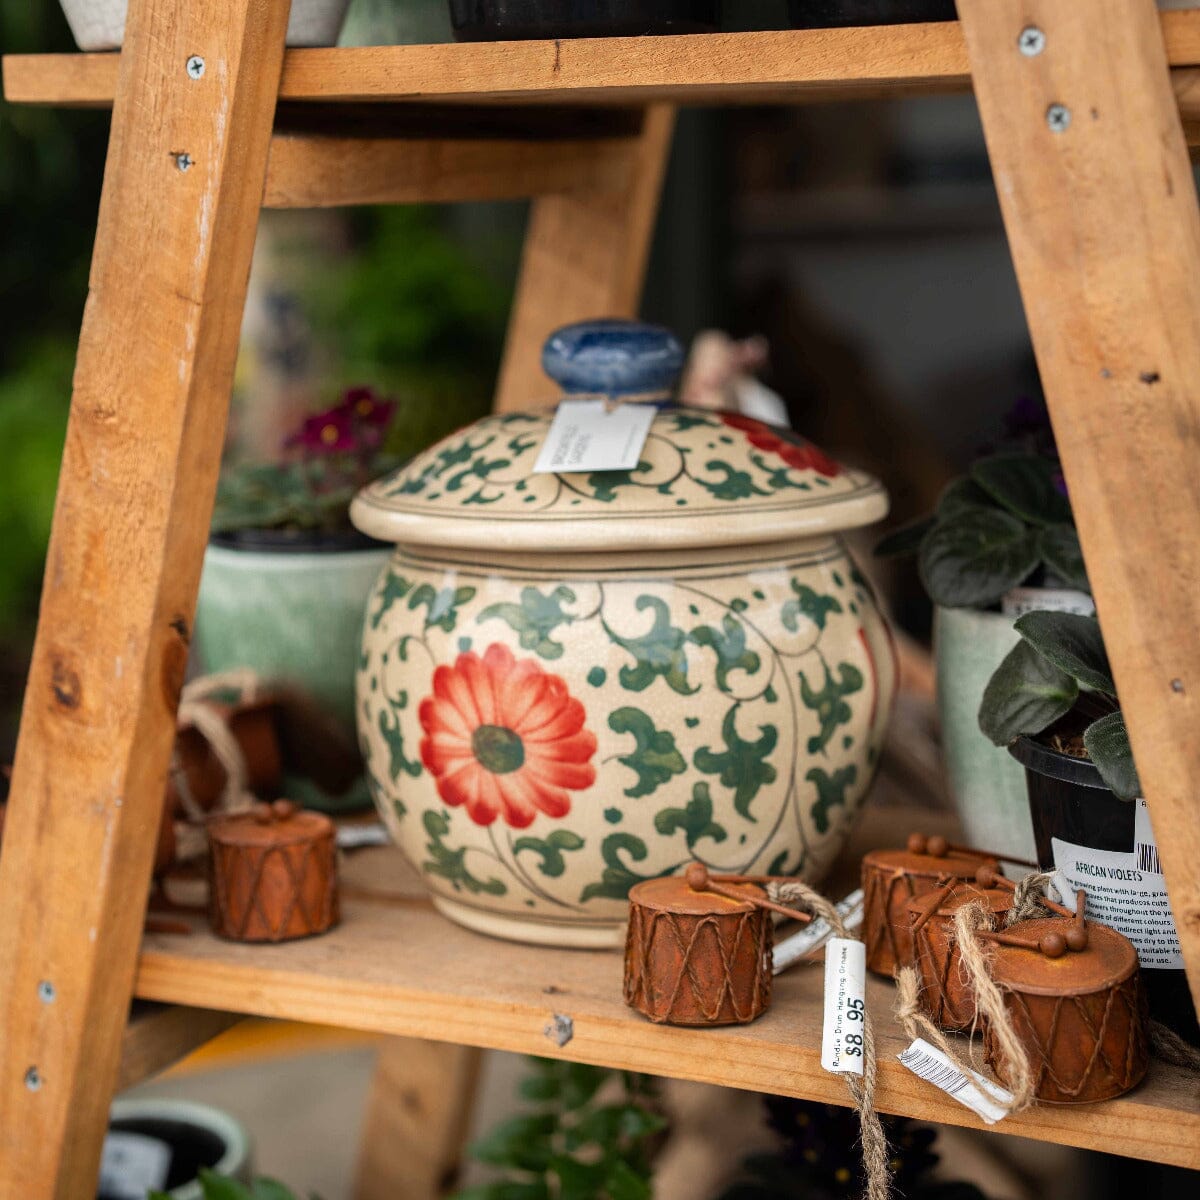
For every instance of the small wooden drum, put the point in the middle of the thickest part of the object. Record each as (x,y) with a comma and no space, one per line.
(696,958)
(272,874)
(890,879)
(946,994)
(1081,1017)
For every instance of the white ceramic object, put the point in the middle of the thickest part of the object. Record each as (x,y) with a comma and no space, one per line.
(100,24)
(573,682)
(236,1150)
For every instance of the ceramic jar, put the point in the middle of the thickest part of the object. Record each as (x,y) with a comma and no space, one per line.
(100,24)
(571,683)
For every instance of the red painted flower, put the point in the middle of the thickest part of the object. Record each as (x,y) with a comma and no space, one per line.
(799,455)
(504,737)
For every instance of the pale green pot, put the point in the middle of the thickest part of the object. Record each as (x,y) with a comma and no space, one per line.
(987,782)
(291,616)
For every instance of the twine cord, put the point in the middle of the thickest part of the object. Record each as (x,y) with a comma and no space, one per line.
(1029,898)
(989,1003)
(862,1091)
(1171,1048)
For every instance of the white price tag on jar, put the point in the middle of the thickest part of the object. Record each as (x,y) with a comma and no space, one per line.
(589,435)
(132,1165)
(844,1036)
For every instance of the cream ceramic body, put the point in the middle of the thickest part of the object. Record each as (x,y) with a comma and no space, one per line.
(575,682)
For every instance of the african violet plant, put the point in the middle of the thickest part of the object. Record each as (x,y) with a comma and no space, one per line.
(1007,523)
(1060,666)
(222,1187)
(327,459)
(577,1141)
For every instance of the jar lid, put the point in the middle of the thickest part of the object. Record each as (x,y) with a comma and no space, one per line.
(280,823)
(704,478)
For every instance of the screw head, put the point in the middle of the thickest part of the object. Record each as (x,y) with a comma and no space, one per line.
(195,66)
(1058,117)
(183,160)
(33,1080)
(1031,41)
(46,992)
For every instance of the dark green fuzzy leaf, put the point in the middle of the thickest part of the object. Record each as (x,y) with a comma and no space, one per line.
(270,1189)
(540,1088)
(1025,695)
(221,1187)
(522,1142)
(577,1180)
(506,1189)
(1023,484)
(1061,552)
(971,560)
(960,495)
(1107,744)
(905,540)
(582,1083)
(1073,643)
(624,1183)
(615,1122)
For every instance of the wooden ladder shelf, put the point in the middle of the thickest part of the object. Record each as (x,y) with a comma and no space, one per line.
(1103,222)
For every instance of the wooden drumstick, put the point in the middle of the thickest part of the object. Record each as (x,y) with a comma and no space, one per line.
(947,887)
(939,847)
(699,880)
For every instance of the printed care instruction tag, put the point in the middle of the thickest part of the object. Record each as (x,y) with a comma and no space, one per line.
(132,1165)
(845,1009)
(587,435)
(1125,891)
(984,1098)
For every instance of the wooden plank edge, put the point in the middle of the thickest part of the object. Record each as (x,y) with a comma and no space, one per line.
(1128,1126)
(682,69)
(159,1035)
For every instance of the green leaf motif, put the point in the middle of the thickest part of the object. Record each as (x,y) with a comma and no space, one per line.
(1025,694)
(729,645)
(389,726)
(441,606)
(808,604)
(657,653)
(1073,643)
(695,819)
(742,765)
(617,877)
(534,619)
(453,455)
(831,791)
(604,484)
(973,558)
(736,485)
(451,864)
(691,420)
(654,757)
(395,587)
(1107,744)
(551,850)
(829,703)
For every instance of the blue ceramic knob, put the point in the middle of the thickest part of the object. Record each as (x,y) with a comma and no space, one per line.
(613,358)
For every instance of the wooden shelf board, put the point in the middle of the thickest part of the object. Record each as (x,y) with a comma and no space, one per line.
(395,966)
(723,68)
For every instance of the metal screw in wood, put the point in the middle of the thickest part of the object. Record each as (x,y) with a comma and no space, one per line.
(1032,41)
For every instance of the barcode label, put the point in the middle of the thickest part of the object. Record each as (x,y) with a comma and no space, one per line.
(984,1098)
(1147,858)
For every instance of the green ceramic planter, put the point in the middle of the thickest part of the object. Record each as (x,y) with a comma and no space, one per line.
(988,786)
(290,615)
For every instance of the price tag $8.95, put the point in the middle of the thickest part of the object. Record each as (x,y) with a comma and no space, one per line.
(844,1038)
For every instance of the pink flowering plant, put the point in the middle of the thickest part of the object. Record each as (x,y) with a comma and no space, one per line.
(326,460)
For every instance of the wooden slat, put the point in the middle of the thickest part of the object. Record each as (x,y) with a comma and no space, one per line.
(714,68)
(396,967)
(584,256)
(418,1111)
(1104,228)
(143,443)
(158,1035)
(315,171)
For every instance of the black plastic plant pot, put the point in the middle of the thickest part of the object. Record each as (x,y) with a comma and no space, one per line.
(826,14)
(1068,800)
(504,20)
(295,541)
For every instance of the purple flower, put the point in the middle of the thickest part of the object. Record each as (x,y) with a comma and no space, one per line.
(1060,483)
(325,433)
(367,408)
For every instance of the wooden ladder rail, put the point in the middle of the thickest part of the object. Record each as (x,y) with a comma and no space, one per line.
(1100,208)
(186,174)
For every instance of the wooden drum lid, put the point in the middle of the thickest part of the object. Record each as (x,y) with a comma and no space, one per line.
(272,874)
(1081,1016)
(891,878)
(945,992)
(696,958)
